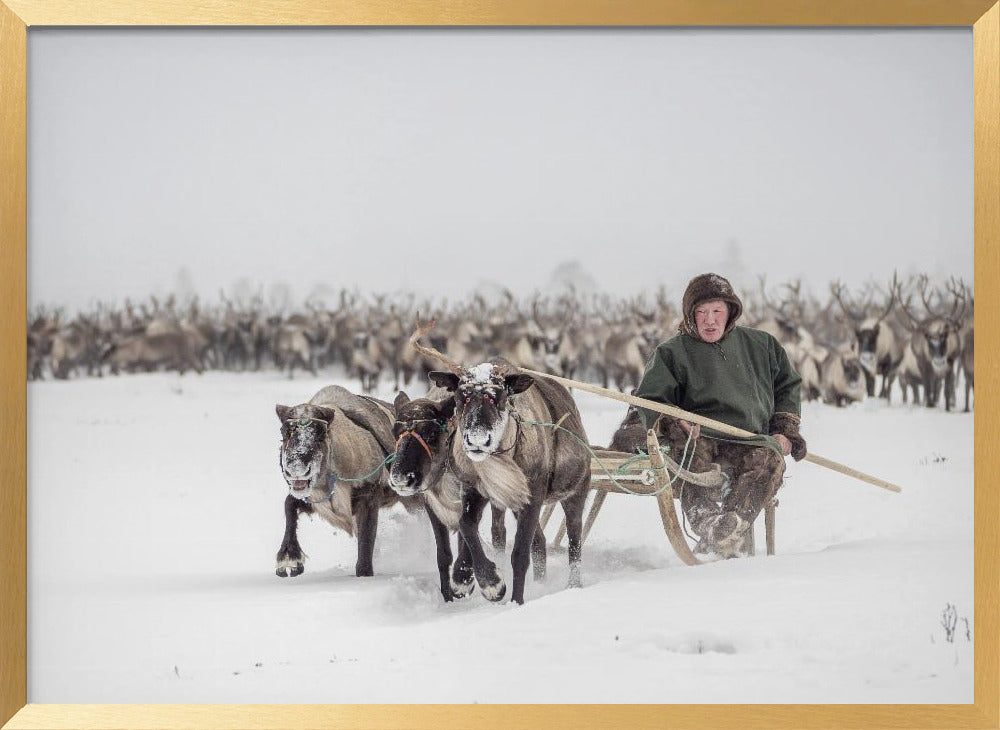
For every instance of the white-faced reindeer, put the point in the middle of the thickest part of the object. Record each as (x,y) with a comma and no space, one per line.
(875,344)
(503,459)
(332,451)
(842,377)
(934,345)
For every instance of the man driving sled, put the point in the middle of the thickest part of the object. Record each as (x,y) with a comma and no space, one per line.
(736,375)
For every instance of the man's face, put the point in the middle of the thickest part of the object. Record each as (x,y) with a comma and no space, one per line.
(710,317)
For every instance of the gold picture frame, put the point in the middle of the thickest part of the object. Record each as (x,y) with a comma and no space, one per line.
(17,16)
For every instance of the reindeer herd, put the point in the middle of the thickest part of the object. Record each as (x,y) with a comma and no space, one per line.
(912,336)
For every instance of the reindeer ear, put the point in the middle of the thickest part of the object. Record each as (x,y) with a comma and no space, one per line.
(326,414)
(283,412)
(442,379)
(518,383)
(401,400)
(446,408)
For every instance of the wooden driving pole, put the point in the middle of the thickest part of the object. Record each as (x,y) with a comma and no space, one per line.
(725,428)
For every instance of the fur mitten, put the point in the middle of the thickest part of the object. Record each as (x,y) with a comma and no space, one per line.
(787,424)
(670,430)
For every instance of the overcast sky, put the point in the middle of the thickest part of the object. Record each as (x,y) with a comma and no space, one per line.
(442,160)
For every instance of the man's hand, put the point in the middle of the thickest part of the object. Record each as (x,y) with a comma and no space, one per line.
(786,445)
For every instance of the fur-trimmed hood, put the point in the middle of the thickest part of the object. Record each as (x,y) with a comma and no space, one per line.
(703,288)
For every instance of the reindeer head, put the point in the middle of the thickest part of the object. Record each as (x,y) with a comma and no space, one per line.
(305,450)
(482,404)
(546,339)
(482,396)
(853,377)
(422,430)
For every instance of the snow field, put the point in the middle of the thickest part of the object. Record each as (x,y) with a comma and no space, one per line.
(155,511)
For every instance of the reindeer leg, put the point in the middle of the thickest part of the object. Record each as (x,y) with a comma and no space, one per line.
(869,383)
(949,389)
(443,543)
(499,529)
(290,560)
(887,381)
(366,518)
(520,554)
(538,553)
(462,582)
(485,570)
(573,510)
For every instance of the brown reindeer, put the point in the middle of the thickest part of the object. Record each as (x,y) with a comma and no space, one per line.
(424,433)
(504,459)
(876,346)
(170,350)
(934,345)
(842,377)
(332,451)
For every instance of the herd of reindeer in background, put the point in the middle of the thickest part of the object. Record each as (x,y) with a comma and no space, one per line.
(852,345)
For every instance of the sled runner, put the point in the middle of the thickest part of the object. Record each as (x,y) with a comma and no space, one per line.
(657,474)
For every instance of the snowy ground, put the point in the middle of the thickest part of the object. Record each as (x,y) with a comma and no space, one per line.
(155,511)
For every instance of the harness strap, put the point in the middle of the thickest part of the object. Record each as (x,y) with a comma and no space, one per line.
(418,437)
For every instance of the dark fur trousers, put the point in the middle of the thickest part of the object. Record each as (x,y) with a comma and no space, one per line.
(755,474)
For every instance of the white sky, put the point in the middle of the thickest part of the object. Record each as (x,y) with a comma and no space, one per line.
(436,160)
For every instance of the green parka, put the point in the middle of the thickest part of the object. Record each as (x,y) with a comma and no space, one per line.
(742,380)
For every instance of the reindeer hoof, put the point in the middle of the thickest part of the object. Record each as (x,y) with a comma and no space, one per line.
(289,568)
(462,590)
(494,591)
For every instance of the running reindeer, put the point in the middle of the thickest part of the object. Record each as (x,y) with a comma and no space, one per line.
(336,434)
(500,458)
(424,432)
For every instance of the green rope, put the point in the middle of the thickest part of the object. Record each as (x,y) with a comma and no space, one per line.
(339,478)
(640,455)
(637,457)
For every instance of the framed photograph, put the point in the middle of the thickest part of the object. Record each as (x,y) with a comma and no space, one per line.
(301,170)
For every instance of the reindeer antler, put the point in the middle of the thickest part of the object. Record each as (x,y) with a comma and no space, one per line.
(837,289)
(423,329)
(893,289)
(911,322)
(536,315)
(958,289)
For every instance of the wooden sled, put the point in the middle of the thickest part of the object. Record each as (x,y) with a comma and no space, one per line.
(652,475)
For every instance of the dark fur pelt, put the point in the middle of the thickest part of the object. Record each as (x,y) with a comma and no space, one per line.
(631,433)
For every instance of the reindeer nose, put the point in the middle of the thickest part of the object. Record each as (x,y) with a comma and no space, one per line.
(478,439)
